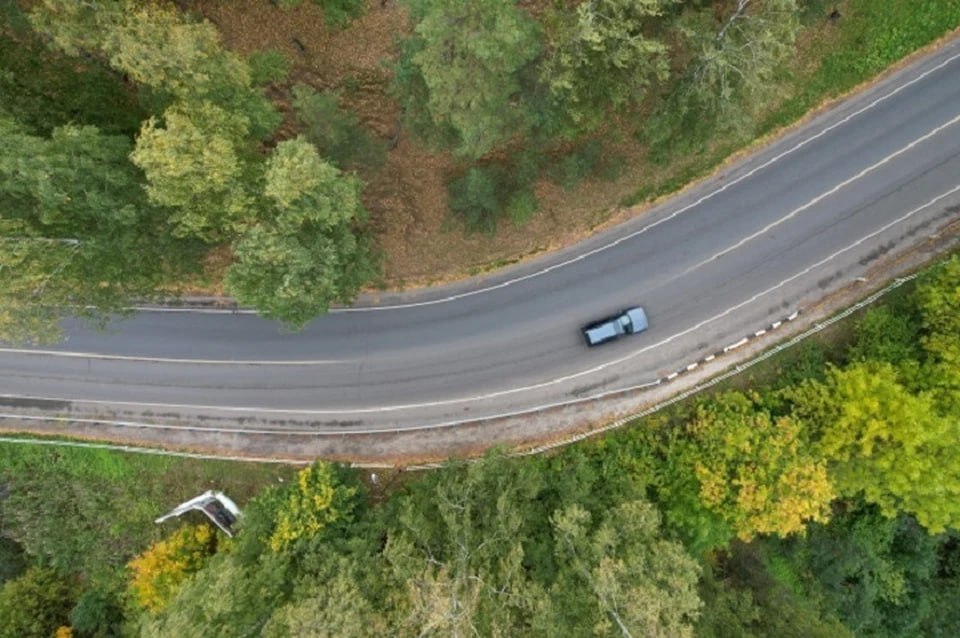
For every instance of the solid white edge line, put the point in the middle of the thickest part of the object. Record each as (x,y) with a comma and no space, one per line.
(121,357)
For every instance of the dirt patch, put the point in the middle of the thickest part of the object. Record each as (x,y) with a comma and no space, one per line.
(407,196)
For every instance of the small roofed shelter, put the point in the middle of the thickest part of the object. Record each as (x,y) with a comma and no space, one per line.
(215,505)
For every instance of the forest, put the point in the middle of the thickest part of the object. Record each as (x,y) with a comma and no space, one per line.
(291,154)
(821,498)
(152,151)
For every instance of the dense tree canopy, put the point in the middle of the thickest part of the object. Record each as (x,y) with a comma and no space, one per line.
(755,470)
(304,255)
(736,59)
(94,223)
(887,443)
(600,57)
(466,60)
(77,228)
(619,577)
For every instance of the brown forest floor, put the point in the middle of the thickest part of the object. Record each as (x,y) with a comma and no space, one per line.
(407,197)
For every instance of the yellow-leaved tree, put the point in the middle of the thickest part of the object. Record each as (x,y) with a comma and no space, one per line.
(158,572)
(755,470)
(318,499)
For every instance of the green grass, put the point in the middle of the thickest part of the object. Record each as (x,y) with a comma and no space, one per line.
(872,36)
(180,476)
(89,511)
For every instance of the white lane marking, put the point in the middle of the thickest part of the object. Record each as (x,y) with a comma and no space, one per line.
(616,242)
(537,386)
(121,357)
(822,196)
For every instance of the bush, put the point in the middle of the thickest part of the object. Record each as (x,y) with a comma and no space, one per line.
(336,133)
(573,168)
(522,205)
(487,192)
(339,13)
(475,197)
(886,335)
(160,570)
(35,604)
(268,66)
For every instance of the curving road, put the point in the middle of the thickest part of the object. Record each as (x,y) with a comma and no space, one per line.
(778,230)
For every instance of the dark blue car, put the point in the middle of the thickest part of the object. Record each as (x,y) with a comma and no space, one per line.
(630,321)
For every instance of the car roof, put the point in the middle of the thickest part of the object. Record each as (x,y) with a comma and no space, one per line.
(603,331)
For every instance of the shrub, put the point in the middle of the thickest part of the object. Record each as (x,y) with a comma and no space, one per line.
(268,66)
(475,197)
(336,133)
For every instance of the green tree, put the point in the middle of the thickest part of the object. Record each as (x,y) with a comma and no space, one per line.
(336,133)
(158,48)
(44,89)
(33,298)
(888,334)
(758,472)
(333,605)
(77,230)
(877,574)
(194,165)
(294,265)
(224,600)
(599,57)
(34,604)
(735,61)
(456,548)
(618,578)
(886,443)
(751,592)
(938,296)
(99,612)
(462,72)
(76,27)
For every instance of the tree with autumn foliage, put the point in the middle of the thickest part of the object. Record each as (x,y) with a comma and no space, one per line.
(319,499)
(938,296)
(158,572)
(887,442)
(756,470)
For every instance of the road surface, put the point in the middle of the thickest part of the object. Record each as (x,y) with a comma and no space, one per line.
(739,252)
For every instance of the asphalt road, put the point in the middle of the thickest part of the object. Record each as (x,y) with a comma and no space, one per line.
(746,248)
